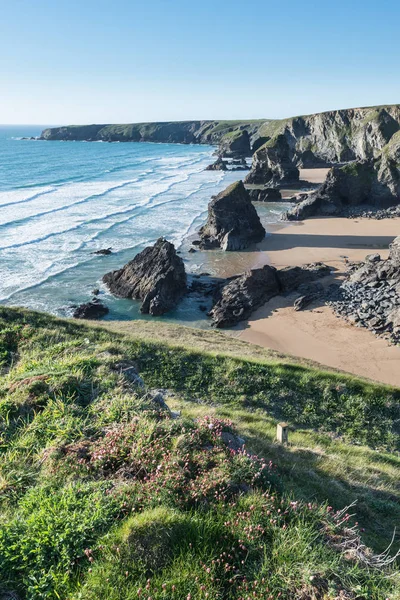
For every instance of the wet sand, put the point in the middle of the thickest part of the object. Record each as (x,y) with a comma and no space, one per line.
(316,333)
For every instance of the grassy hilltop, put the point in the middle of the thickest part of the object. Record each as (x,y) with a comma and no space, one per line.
(107,493)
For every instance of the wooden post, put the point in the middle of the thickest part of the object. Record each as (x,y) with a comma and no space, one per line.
(282,433)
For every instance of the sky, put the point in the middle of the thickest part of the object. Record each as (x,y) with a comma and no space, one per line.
(121,61)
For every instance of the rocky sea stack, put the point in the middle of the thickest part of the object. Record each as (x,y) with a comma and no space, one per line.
(233,222)
(156,276)
(273,164)
(374,183)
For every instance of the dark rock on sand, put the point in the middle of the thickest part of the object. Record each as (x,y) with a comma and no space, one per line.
(237,299)
(244,294)
(156,276)
(94,309)
(369,182)
(291,278)
(233,222)
(370,296)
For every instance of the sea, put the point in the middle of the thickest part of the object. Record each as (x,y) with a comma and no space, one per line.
(62,201)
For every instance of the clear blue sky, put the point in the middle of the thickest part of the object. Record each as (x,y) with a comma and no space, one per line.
(107,61)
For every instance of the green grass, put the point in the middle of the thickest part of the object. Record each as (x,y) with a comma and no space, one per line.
(103,494)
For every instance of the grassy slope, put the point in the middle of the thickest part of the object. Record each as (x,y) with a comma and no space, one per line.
(103,494)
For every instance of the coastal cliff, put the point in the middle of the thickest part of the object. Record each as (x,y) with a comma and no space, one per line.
(234,136)
(321,139)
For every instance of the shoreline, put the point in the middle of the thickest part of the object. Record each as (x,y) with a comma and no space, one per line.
(317,333)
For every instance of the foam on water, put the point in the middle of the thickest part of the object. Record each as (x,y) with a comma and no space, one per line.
(59,202)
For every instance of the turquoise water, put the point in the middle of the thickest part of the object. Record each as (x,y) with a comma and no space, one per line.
(61,201)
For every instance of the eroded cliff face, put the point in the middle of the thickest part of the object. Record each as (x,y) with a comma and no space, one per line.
(234,137)
(329,138)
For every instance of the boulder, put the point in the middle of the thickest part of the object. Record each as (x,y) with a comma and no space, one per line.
(244,294)
(218,165)
(265,195)
(273,164)
(290,278)
(156,276)
(94,309)
(233,222)
(395,251)
(103,251)
(240,296)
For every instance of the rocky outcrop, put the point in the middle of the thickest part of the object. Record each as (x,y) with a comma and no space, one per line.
(235,143)
(94,309)
(218,165)
(156,276)
(233,222)
(374,182)
(242,295)
(325,139)
(370,297)
(273,164)
(265,195)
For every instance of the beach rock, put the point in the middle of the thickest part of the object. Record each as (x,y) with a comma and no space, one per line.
(103,251)
(233,222)
(370,295)
(265,195)
(242,295)
(290,278)
(94,309)
(303,301)
(273,164)
(218,165)
(156,276)
(373,182)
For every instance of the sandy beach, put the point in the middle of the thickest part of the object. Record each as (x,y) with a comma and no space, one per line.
(316,333)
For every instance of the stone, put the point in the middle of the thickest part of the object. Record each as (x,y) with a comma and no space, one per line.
(373,182)
(273,164)
(94,309)
(303,301)
(291,278)
(218,165)
(234,442)
(242,295)
(265,195)
(156,276)
(282,433)
(233,222)
(103,251)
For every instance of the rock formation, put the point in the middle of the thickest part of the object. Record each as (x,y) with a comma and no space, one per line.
(235,143)
(237,299)
(374,183)
(370,297)
(244,294)
(232,223)
(265,194)
(273,164)
(156,276)
(218,165)
(94,309)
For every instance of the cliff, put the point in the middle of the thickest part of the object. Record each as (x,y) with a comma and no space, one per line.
(319,139)
(235,136)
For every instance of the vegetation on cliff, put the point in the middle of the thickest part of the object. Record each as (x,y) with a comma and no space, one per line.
(106,493)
